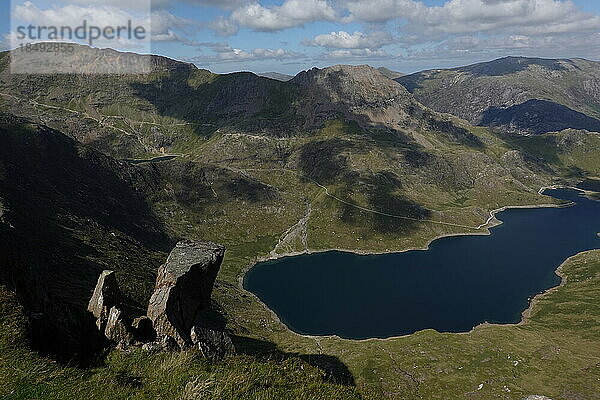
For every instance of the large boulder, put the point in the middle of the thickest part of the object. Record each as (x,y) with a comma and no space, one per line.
(183,289)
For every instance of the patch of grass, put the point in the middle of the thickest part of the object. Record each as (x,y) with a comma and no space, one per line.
(140,375)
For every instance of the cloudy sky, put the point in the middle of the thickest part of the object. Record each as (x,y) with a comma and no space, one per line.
(288,36)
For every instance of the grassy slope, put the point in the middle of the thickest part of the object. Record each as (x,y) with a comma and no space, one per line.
(251,229)
(386,367)
(371,363)
(554,353)
(138,375)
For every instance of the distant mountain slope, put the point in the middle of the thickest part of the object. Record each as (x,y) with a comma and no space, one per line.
(177,106)
(133,115)
(389,73)
(276,75)
(500,93)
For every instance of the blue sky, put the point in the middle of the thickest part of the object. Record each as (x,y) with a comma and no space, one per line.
(292,35)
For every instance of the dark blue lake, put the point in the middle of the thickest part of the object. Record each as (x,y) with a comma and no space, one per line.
(459,283)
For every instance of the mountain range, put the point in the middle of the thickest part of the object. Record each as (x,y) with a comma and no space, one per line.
(108,171)
(515,94)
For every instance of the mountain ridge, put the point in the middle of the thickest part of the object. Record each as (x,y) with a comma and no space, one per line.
(507,84)
(339,158)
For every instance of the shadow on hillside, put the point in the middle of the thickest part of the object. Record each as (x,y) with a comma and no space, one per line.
(73,213)
(538,117)
(195,187)
(335,371)
(211,102)
(326,163)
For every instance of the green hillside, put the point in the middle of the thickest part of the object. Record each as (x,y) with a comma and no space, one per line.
(336,158)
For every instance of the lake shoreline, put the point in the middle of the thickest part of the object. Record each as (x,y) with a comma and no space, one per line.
(492,222)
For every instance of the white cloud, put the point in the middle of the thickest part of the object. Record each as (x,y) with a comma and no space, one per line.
(154,4)
(223,53)
(468,16)
(226,4)
(454,29)
(473,47)
(162,25)
(224,27)
(354,54)
(383,10)
(292,13)
(356,40)
(132,5)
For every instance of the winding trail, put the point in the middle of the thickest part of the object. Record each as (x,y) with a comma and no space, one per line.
(298,231)
(359,207)
(326,189)
(102,122)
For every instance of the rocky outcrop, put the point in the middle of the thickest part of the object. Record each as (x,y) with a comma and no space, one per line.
(359,93)
(105,305)
(106,295)
(117,330)
(174,321)
(211,343)
(183,289)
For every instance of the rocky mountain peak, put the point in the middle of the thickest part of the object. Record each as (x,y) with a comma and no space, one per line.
(515,94)
(82,59)
(350,83)
(360,93)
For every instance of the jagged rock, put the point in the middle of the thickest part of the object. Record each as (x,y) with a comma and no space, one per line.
(165,343)
(106,295)
(116,329)
(359,93)
(213,344)
(183,289)
(537,397)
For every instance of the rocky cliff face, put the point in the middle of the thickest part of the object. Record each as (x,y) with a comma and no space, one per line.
(359,93)
(182,293)
(509,93)
(183,289)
